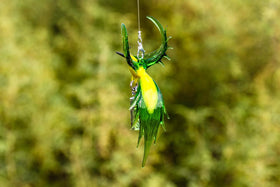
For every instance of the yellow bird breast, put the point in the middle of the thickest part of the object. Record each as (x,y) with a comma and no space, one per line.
(149,90)
(132,71)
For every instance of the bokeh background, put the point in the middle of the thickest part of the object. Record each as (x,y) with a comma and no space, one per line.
(64,93)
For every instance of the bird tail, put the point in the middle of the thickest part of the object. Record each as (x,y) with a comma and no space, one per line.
(147,146)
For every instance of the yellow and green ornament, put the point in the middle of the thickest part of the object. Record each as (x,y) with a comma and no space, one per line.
(146,104)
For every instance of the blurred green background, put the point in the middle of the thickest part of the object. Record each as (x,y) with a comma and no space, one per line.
(64,93)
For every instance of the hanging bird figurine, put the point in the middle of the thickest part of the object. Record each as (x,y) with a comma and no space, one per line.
(146,104)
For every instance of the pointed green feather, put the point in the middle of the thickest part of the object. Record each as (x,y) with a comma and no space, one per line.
(156,56)
(149,123)
(126,46)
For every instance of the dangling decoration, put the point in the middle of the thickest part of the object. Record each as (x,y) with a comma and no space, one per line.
(146,104)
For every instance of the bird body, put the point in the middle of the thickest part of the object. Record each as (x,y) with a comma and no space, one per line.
(148,90)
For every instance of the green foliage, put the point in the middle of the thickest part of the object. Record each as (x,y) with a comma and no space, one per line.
(64,118)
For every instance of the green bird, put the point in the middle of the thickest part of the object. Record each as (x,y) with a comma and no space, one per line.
(147,106)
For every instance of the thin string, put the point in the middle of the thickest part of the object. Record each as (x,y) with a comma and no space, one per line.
(141,51)
(138,11)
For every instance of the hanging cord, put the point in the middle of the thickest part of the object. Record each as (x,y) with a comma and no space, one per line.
(141,51)
(134,85)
